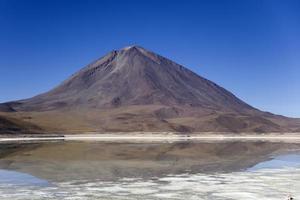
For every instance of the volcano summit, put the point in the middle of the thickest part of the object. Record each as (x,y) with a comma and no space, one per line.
(134,89)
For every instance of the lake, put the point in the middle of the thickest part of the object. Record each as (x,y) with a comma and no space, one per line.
(221,170)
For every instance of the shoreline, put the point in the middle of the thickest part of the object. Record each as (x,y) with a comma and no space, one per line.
(162,137)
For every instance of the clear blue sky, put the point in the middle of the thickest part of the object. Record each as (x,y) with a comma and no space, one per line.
(251,48)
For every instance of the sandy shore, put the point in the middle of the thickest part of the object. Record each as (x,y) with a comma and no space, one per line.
(136,137)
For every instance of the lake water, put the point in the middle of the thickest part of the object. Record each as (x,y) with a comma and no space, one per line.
(154,171)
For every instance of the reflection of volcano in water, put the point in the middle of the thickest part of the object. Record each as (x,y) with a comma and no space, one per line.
(111,161)
(267,180)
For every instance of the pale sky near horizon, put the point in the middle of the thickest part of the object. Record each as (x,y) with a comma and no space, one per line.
(249,47)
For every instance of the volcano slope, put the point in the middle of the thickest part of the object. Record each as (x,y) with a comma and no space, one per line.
(134,89)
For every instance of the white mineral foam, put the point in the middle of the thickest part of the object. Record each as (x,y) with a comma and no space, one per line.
(267,184)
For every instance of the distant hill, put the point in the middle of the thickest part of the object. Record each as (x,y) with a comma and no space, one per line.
(133,89)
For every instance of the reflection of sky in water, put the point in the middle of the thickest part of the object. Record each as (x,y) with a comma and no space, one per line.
(268,180)
(18,178)
(292,160)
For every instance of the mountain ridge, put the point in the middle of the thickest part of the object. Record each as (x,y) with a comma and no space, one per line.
(136,88)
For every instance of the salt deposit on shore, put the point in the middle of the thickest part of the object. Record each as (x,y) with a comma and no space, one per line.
(146,137)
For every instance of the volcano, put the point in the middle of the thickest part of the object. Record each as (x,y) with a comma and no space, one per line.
(133,89)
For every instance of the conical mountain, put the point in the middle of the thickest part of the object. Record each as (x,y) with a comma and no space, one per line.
(134,89)
(134,76)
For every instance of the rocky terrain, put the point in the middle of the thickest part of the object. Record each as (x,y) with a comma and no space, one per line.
(134,89)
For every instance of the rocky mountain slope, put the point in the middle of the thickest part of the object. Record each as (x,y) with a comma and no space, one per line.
(133,89)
